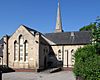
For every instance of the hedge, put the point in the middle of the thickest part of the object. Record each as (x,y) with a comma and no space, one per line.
(87,63)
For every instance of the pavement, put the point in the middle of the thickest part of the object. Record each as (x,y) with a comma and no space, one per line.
(62,75)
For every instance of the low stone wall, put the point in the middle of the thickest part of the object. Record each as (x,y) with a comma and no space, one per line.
(67,68)
(25,70)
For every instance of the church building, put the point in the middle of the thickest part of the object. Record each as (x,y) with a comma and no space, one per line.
(29,49)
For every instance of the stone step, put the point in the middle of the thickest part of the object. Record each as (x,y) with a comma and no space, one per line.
(53,70)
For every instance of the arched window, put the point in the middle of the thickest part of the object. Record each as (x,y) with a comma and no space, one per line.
(26,51)
(21,48)
(45,50)
(15,51)
(59,55)
(72,57)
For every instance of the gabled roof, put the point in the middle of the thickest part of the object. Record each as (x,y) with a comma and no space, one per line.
(29,29)
(70,38)
(32,31)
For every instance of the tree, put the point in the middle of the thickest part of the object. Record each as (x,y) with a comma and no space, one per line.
(88,27)
(96,36)
(87,63)
(87,59)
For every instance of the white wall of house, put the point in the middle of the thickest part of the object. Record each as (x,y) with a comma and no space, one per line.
(65,53)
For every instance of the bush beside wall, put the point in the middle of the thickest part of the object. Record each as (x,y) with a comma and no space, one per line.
(87,63)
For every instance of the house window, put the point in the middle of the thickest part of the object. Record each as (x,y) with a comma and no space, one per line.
(26,51)
(21,48)
(45,50)
(72,57)
(15,51)
(59,55)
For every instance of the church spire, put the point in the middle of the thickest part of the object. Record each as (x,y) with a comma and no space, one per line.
(58,22)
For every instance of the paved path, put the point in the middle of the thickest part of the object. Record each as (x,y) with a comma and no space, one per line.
(63,75)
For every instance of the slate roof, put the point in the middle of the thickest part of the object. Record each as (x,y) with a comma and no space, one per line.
(1,47)
(29,29)
(70,38)
(32,31)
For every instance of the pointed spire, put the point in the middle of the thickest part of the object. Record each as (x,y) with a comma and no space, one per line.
(58,22)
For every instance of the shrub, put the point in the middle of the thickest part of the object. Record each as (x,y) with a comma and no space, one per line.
(87,63)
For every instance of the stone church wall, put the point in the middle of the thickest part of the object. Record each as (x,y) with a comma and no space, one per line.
(32,49)
(65,53)
(43,53)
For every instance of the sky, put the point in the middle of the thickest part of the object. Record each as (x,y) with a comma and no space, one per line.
(41,14)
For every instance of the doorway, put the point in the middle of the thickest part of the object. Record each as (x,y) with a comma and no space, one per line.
(66,60)
(45,62)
